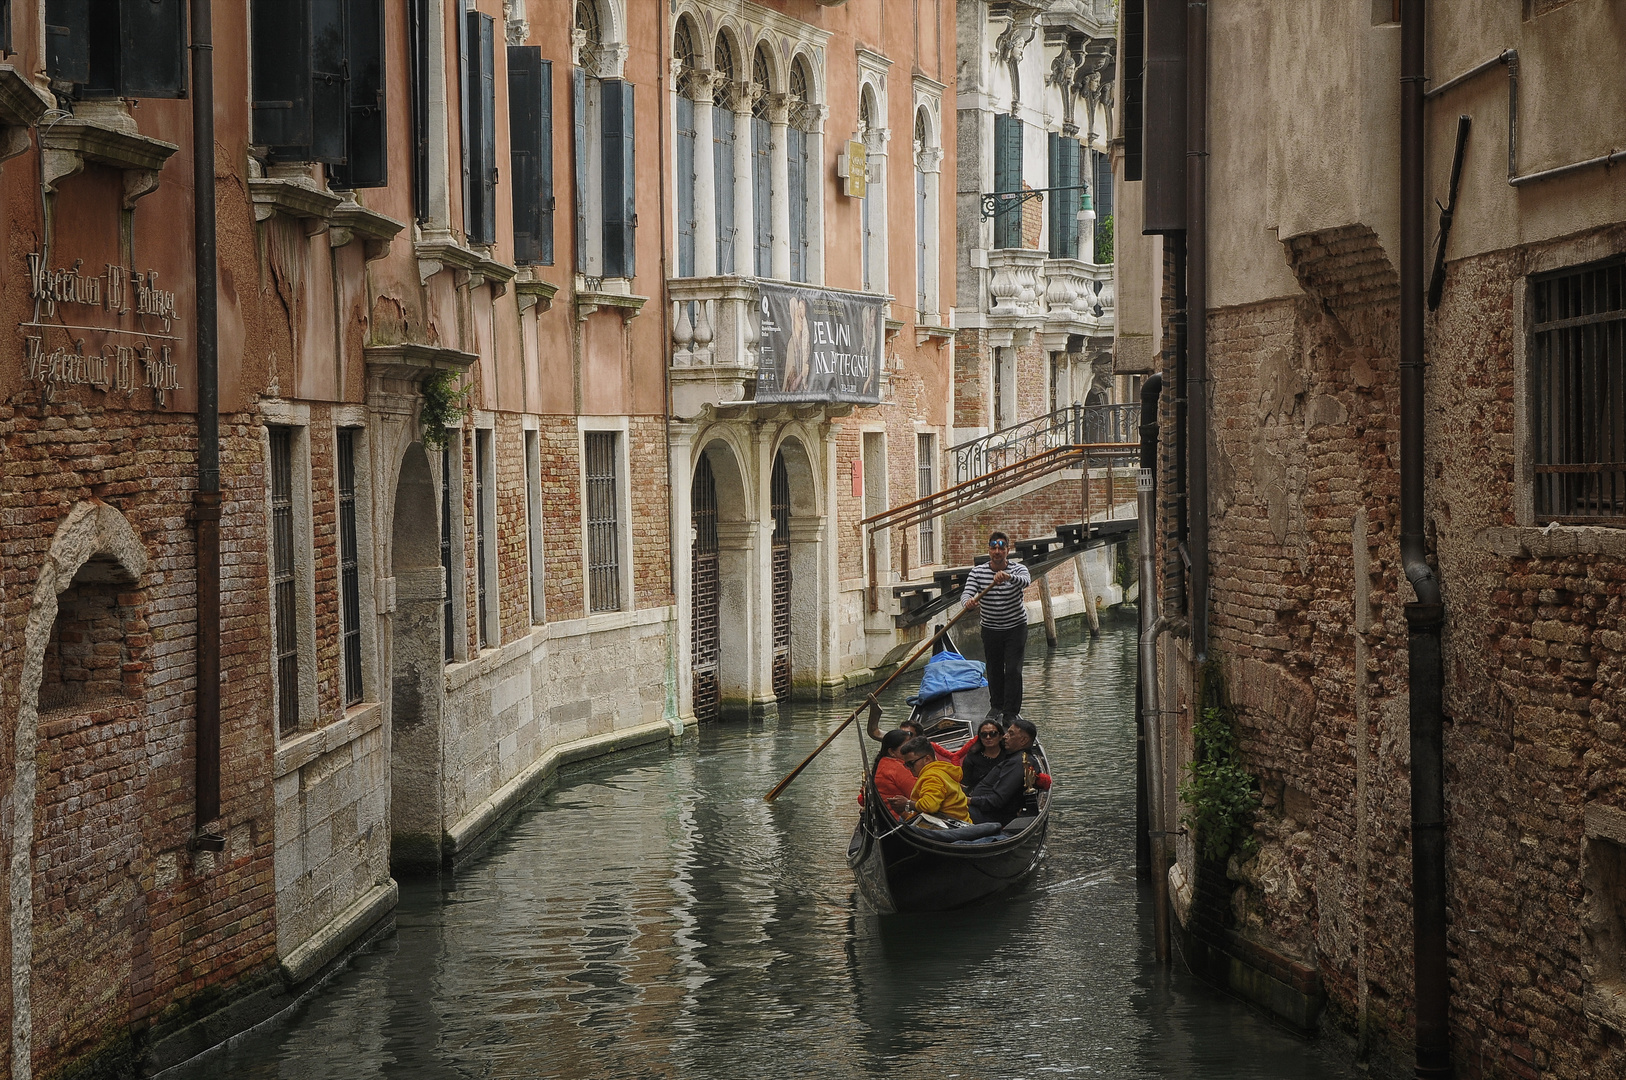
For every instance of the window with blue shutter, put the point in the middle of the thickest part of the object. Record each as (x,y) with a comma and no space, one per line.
(620,181)
(480,214)
(1064,204)
(1007,177)
(1103,202)
(114,48)
(579,149)
(686,208)
(530,153)
(722,133)
(796,177)
(762,194)
(317,85)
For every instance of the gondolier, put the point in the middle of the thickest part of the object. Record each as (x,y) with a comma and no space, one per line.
(996,588)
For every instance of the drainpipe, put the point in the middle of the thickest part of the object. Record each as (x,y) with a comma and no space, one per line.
(1197,317)
(206,500)
(1150,626)
(674,709)
(1425,614)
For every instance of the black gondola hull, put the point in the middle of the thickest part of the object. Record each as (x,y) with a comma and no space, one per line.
(904,872)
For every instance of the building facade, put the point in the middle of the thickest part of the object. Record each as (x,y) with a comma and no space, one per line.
(1306,613)
(484,444)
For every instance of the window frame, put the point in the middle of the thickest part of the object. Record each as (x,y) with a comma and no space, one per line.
(454,561)
(296,712)
(617,428)
(535,547)
(487,578)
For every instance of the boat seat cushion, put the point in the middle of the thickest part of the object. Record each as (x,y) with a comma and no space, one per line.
(965,833)
(1017,824)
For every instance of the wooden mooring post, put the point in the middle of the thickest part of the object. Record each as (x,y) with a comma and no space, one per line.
(1089,595)
(1049,612)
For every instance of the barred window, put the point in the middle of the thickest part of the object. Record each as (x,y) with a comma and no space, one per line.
(284,601)
(349,567)
(1578,393)
(447,613)
(926,485)
(603,522)
(482,495)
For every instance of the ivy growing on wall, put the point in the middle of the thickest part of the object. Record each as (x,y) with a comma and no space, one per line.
(1103,240)
(445,405)
(1221,796)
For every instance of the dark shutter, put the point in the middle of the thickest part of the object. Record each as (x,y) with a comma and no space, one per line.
(524,75)
(67,40)
(152,48)
(418,35)
(464,89)
(1007,178)
(620,181)
(330,92)
(5,25)
(578,105)
(1163,163)
(281,74)
(482,128)
(1134,46)
(1103,185)
(366,149)
(687,209)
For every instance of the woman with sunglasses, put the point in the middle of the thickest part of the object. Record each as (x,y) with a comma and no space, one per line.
(981,754)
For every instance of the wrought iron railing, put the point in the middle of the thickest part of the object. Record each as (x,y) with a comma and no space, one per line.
(1071,426)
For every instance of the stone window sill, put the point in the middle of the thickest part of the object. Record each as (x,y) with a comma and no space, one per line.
(21,106)
(307,746)
(103,135)
(1555,541)
(532,291)
(350,221)
(470,266)
(298,197)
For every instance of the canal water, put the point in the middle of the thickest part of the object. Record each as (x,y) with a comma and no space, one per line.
(653,917)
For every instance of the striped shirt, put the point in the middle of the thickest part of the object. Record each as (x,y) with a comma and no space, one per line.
(1001,607)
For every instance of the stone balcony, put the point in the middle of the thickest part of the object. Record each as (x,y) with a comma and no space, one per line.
(1031,294)
(714,341)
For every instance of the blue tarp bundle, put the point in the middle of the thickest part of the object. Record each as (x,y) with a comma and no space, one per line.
(947,672)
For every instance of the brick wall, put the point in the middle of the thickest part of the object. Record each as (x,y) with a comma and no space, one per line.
(1307,618)
(130,927)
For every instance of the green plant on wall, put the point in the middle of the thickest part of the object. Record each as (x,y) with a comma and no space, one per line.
(445,404)
(1221,796)
(1103,240)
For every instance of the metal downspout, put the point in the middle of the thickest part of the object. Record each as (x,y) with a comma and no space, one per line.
(1150,626)
(1425,614)
(206,500)
(1197,318)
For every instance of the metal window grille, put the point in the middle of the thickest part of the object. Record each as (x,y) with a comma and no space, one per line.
(285,609)
(349,567)
(999,388)
(779,492)
(446,549)
(603,523)
(705,580)
(1578,350)
(926,486)
(482,459)
(920,213)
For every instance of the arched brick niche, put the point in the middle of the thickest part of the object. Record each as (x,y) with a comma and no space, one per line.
(94,656)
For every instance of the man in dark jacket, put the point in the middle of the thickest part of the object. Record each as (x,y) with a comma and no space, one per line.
(1004,791)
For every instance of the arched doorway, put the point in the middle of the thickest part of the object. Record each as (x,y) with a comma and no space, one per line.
(704,623)
(779,487)
(417,671)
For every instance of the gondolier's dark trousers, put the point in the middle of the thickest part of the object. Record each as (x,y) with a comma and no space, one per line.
(1004,651)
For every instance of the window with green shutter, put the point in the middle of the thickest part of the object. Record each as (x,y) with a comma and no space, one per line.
(1007,178)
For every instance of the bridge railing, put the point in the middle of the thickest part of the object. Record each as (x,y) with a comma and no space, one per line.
(1074,425)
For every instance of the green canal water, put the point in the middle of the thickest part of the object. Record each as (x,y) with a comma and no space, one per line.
(653,917)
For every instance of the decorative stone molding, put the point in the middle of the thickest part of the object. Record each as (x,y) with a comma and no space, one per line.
(107,136)
(410,362)
(441,251)
(531,291)
(606,294)
(350,220)
(489,271)
(21,106)
(296,196)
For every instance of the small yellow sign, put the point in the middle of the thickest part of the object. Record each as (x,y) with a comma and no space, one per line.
(857,174)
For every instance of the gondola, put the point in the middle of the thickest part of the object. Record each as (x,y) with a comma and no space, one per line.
(907,867)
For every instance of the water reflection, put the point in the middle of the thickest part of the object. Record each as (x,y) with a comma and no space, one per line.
(654,918)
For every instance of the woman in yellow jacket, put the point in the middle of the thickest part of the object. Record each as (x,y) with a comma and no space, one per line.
(937,783)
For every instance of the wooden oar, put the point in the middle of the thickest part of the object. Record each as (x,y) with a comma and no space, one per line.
(869,701)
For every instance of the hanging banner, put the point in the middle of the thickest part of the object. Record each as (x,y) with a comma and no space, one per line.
(818,345)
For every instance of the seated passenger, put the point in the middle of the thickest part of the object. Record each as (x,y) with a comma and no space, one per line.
(1011,785)
(893,779)
(937,791)
(914,728)
(981,753)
